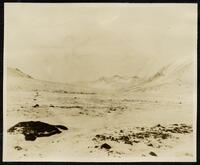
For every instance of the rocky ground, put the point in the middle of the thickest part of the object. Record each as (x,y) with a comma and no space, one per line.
(154,137)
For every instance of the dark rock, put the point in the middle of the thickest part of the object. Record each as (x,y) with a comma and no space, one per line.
(152,153)
(112,138)
(140,137)
(33,129)
(30,137)
(125,138)
(18,148)
(51,105)
(101,137)
(106,146)
(151,145)
(169,130)
(164,136)
(129,142)
(94,139)
(36,105)
(146,135)
(133,135)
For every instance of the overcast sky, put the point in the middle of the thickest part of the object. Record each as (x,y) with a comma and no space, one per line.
(73,42)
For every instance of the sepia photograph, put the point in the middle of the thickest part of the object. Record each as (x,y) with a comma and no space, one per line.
(97,82)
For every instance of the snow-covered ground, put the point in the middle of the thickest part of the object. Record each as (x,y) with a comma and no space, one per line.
(164,99)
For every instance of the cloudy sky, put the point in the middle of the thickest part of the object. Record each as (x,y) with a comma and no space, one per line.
(73,42)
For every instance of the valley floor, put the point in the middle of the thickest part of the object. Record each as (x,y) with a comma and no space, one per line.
(135,127)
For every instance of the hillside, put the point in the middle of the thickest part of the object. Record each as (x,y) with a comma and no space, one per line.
(18,80)
(174,78)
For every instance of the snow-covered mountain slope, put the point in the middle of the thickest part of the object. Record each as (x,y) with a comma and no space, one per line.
(176,78)
(18,80)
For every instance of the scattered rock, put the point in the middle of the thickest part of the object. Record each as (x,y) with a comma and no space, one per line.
(106,146)
(151,145)
(94,139)
(152,153)
(101,137)
(18,148)
(124,138)
(36,105)
(136,141)
(128,142)
(112,109)
(146,135)
(165,136)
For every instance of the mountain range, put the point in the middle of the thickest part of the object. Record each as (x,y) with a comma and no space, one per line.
(177,75)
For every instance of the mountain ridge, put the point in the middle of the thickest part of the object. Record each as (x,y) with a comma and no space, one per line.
(176,73)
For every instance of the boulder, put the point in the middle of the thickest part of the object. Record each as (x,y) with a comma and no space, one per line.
(106,146)
(33,129)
